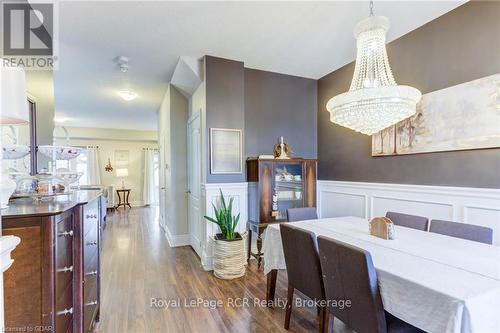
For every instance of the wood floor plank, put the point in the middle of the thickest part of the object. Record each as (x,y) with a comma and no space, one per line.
(138,264)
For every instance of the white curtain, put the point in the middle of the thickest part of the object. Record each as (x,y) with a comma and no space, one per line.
(93,166)
(148,192)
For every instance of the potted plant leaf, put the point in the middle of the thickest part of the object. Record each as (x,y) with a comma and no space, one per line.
(229,254)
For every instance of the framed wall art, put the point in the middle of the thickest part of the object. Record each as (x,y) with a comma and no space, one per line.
(461,117)
(226,151)
(122,157)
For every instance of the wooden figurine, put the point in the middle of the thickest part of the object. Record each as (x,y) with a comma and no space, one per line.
(282,149)
(382,227)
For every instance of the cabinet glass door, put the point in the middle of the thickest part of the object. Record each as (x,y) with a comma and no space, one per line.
(288,188)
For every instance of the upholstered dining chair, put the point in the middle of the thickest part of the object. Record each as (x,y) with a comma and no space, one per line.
(462,230)
(303,269)
(301,214)
(349,274)
(409,221)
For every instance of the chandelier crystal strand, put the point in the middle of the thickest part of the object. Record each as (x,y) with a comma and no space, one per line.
(374,100)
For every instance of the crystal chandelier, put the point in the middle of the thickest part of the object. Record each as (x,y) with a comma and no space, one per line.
(374,101)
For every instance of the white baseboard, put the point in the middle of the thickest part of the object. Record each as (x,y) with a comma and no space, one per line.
(176,240)
(478,206)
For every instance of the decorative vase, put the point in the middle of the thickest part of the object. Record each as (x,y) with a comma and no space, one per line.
(229,257)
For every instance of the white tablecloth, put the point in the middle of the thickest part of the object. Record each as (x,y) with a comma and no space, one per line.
(435,282)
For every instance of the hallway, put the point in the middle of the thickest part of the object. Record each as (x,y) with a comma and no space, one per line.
(138,264)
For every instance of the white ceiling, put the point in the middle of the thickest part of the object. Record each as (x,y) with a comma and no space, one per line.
(308,39)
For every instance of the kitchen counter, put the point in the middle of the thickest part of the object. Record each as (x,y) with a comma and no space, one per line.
(27,207)
(54,280)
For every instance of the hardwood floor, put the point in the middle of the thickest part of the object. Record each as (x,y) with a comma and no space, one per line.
(138,265)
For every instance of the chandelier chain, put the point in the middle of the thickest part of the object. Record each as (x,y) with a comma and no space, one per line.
(371,7)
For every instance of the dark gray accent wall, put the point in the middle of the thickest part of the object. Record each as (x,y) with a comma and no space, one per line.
(278,104)
(225,105)
(457,47)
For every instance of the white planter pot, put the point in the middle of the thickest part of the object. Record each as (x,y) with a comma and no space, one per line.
(229,258)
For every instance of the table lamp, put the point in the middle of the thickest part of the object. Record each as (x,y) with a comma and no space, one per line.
(122,173)
(14,111)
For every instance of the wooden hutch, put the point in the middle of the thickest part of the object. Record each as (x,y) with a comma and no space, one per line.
(274,186)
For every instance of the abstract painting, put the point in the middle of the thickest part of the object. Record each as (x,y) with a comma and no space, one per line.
(461,117)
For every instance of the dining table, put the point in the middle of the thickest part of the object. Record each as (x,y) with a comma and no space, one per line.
(431,281)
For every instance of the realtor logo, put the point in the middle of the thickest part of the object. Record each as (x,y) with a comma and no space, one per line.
(28,33)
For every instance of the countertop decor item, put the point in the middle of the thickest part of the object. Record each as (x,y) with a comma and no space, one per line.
(61,152)
(14,152)
(374,101)
(229,252)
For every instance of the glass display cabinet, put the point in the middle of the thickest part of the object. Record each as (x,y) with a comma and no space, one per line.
(278,184)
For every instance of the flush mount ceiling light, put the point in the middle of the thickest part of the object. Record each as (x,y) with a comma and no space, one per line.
(122,63)
(374,101)
(127,95)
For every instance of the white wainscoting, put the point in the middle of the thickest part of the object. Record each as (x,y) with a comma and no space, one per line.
(460,204)
(211,194)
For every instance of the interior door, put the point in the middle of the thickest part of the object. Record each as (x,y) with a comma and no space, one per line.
(194,185)
(162,190)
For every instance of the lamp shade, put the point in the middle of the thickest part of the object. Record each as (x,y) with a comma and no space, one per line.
(14,100)
(121,172)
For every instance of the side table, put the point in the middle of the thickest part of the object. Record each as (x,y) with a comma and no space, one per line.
(123,195)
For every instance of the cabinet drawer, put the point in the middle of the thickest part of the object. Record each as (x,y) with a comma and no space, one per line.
(64,310)
(90,301)
(90,216)
(90,288)
(88,316)
(91,265)
(90,247)
(64,255)
(64,279)
(64,243)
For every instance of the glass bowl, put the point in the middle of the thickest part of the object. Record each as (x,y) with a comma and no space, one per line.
(61,152)
(14,152)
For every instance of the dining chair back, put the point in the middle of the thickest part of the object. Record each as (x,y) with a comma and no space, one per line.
(301,214)
(349,275)
(462,230)
(302,266)
(409,221)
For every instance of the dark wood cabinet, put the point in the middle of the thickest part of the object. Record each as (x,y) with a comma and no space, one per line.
(53,284)
(278,184)
(91,271)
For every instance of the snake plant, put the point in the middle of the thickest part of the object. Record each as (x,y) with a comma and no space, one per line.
(224,218)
